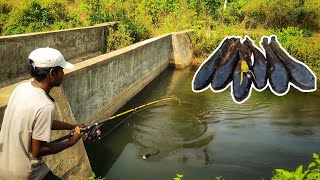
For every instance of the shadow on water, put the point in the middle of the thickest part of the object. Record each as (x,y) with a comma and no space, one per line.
(208,135)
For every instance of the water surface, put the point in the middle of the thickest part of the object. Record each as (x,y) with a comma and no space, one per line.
(208,135)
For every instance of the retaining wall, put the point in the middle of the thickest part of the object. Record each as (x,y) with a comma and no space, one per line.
(75,44)
(101,85)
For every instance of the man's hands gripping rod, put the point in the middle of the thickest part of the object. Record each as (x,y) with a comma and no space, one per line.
(90,132)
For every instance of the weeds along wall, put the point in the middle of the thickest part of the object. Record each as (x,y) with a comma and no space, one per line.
(75,44)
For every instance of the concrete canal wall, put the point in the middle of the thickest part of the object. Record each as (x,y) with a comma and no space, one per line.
(101,85)
(75,44)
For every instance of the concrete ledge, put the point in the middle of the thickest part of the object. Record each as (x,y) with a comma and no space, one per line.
(182,49)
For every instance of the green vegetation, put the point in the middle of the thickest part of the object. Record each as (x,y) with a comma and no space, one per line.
(94,177)
(295,22)
(312,173)
(178,177)
(33,16)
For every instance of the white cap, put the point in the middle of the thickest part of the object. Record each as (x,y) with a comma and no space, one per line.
(49,57)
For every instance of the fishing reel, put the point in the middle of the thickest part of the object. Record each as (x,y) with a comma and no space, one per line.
(92,134)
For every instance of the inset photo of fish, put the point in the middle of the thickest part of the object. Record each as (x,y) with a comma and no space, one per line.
(238,62)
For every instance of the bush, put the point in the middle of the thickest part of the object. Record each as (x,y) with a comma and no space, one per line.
(280,14)
(187,20)
(118,37)
(300,48)
(309,16)
(255,14)
(233,13)
(206,41)
(312,173)
(157,8)
(5,9)
(307,33)
(37,17)
(94,177)
(212,6)
(290,38)
(125,34)
(95,10)
(137,31)
(178,177)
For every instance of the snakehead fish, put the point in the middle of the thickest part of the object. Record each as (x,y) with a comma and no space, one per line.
(277,73)
(205,73)
(260,65)
(299,74)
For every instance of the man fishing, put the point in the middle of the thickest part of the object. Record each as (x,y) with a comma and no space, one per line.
(28,119)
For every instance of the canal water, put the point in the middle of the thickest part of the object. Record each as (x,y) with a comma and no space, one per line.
(207,135)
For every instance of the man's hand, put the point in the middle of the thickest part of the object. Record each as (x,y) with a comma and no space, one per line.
(77,134)
(80,125)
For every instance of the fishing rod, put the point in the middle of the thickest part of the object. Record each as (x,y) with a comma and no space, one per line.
(92,130)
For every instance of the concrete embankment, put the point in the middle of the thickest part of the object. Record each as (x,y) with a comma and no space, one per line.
(99,86)
(75,44)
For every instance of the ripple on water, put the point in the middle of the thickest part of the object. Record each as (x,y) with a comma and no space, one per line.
(171,134)
(198,142)
(225,109)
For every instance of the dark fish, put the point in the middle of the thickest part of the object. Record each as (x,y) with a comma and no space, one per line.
(242,75)
(260,66)
(277,73)
(146,156)
(298,73)
(223,75)
(205,74)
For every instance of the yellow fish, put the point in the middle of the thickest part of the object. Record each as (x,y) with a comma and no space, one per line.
(245,69)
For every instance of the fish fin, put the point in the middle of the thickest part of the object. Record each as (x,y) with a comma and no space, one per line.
(241,77)
(254,77)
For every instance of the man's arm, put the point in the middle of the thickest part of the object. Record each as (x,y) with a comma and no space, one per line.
(42,148)
(59,125)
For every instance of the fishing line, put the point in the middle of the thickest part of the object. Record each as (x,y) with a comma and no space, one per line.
(95,132)
(123,121)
